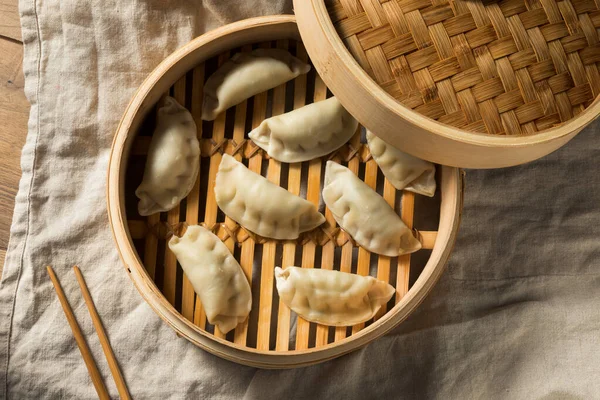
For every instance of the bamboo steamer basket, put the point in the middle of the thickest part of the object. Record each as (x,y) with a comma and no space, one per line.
(477,84)
(264,340)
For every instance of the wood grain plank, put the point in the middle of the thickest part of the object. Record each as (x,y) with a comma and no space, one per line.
(2,256)
(12,80)
(14,112)
(10,24)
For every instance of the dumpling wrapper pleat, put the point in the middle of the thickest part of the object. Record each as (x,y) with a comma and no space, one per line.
(365,215)
(331,297)
(247,74)
(261,206)
(404,171)
(215,275)
(306,133)
(173,160)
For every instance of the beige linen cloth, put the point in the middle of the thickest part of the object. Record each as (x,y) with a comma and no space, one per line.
(516,315)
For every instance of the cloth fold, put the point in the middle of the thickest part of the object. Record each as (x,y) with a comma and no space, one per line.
(514,316)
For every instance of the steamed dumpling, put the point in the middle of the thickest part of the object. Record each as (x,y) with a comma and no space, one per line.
(173,160)
(365,215)
(247,74)
(401,169)
(306,133)
(261,206)
(215,275)
(331,297)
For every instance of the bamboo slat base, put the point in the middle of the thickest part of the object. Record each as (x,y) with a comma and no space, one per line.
(320,248)
(273,336)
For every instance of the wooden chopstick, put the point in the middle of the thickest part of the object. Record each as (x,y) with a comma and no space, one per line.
(108,352)
(79,338)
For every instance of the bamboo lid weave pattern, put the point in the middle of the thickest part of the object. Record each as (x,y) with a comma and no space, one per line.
(507,67)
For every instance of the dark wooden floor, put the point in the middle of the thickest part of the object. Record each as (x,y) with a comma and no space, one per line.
(14,112)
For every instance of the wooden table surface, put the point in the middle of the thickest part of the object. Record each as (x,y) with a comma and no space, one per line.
(14,112)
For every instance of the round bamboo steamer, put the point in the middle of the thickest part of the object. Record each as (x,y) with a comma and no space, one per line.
(477,84)
(141,241)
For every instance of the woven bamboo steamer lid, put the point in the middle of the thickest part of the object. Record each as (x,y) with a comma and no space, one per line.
(463,83)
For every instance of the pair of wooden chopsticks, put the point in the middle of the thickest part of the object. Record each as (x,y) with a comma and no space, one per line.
(80,339)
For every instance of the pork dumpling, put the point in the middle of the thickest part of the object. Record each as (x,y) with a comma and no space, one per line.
(306,133)
(261,206)
(331,297)
(173,160)
(247,74)
(215,275)
(401,169)
(365,215)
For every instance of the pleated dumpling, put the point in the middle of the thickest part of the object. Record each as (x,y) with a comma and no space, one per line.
(331,297)
(173,160)
(247,74)
(365,215)
(401,169)
(306,133)
(215,275)
(261,206)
